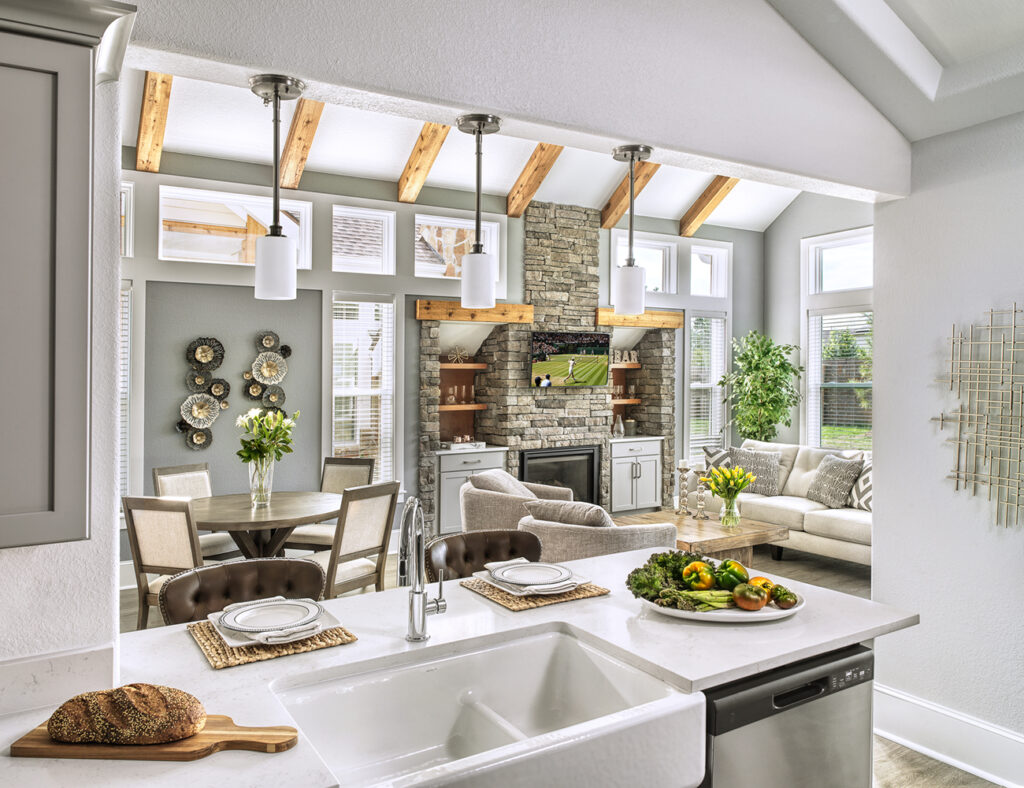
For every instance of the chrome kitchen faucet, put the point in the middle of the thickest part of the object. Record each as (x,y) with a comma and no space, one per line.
(411,572)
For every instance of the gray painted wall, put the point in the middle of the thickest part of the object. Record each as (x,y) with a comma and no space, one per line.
(808,215)
(178,313)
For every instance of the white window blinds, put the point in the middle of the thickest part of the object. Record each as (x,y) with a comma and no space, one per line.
(707,403)
(124,368)
(839,350)
(364,382)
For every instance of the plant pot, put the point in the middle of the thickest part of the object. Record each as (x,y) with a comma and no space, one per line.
(261,481)
(730,516)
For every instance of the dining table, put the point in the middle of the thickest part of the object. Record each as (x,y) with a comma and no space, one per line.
(261,532)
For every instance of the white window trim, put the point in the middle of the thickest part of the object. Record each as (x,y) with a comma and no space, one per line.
(670,267)
(692,313)
(810,271)
(128,190)
(342,264)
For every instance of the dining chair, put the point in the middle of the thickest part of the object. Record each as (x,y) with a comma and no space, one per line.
(339,474)
(460,555)
(195,593)
(365,521)
(163,540)
(193,481)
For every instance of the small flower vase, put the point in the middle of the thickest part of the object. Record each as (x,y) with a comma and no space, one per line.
(261,481)
(730,516)
(618,428)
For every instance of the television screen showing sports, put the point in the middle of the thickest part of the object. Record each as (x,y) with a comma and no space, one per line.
(569,359)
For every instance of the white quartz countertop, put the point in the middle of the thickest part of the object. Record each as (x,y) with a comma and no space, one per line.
(698,655)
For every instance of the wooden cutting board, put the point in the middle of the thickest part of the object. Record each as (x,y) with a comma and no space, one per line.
(220,733)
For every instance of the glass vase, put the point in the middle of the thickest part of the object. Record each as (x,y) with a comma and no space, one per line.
(261,481)
(730,516)
(618,428)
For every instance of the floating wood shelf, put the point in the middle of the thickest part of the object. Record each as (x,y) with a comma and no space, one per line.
(452,310)
(652,318)
(446,365)
(633,401)
(625,365)
(466,406)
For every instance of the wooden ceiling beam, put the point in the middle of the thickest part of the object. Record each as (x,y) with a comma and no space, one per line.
(705,204)
(428,145)
(156,97)
(537,167)
(618,203)
(299,141)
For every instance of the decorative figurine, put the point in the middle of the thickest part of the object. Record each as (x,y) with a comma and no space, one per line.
(683,472)
(701,513)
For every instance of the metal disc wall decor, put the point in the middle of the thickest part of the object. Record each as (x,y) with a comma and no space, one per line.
(273,397)
(199,439)
(220,389)
(267,340)
(200,410)
(205,353)
(261,382)
(208,395)
(254,391)
(269,368)
(197,381)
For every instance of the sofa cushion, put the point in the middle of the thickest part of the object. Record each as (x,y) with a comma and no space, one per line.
(787,510)
(806,466)
(569,512)
(862,493)
(497,480)
(763,464)
(834,480)
(847,525)
(716,458)
(786,450)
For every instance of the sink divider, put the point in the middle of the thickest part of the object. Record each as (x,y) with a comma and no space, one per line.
(490,714)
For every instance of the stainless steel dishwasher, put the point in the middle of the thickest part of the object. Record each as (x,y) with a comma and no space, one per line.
(806,725)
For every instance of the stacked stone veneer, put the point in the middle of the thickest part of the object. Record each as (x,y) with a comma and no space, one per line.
(561,281)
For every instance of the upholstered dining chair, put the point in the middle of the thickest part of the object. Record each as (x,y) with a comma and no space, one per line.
(339,474)
(460,555)
(193,481)
(364,530)
(163,540)
(195,593)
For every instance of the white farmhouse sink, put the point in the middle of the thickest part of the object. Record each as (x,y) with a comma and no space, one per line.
(547,705)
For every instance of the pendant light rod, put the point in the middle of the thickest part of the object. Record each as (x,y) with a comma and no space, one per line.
(630,260)
(478,125)
(275,227)
(273,89)
(631,154)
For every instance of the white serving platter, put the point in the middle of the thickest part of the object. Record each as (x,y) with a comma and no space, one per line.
(731,615)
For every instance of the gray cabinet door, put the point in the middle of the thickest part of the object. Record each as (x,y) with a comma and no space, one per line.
(450,513)
(623,496)
(647,484)
(45,205)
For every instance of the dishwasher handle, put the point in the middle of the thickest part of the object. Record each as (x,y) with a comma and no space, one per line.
(811,689)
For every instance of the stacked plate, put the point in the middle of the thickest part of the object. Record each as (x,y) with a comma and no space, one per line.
(524,578)
(273,620)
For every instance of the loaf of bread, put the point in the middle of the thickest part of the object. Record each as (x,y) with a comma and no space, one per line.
(132,714)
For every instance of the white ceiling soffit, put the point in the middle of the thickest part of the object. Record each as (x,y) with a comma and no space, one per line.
(468,337)
(930,66)
(726,87)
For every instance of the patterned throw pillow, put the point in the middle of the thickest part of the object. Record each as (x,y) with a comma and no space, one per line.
(860,495)
(717,458)
(763,464)
(834,481)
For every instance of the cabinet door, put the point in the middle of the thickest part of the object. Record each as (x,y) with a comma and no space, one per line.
(623,471)
(449,515)
(647,489)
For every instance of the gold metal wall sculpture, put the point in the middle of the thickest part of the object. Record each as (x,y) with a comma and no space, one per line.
(986,369)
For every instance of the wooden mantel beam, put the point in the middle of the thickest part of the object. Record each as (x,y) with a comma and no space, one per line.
(428,145)
(156,97)
(532,176)
(299,141)
(452,310)
(705,204)
(618,203)
(651,318)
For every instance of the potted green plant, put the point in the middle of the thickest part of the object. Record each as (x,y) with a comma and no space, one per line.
(267,438)
(762,388)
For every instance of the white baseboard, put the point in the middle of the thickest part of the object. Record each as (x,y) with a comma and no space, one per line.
(49,679)
(989,751)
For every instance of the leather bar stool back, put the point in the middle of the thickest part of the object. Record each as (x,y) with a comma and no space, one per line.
(460,555)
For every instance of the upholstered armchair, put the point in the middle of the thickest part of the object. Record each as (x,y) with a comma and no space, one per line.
(563,542)
(494,500)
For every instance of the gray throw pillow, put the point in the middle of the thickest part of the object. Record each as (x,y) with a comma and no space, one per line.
(497,480)
(569,512)
(763,464)
(834,480)
(717,458)
(861,494)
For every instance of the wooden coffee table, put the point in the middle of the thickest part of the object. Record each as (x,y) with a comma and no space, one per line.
(710,538)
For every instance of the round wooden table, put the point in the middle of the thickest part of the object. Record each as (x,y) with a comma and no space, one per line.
(262,532)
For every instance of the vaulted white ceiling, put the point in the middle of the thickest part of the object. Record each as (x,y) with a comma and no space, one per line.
(226,122)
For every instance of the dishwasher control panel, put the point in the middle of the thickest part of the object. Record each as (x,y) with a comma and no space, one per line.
(847,678)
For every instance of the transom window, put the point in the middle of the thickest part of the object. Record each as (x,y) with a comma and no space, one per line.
(709,272)
(843,264)
(362,240)
(657,258)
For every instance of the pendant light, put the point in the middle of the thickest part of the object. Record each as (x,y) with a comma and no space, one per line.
(479,269)
(629,282)
(276,256)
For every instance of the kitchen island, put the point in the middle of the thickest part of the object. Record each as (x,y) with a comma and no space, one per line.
(692,655)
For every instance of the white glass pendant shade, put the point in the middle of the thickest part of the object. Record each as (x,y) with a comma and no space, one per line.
(479,276)
(276,268)
(629,290)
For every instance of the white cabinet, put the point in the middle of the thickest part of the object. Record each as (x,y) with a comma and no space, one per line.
(636,474)
(454,470)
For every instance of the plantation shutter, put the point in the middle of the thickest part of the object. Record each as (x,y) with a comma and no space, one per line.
(363,382)
(707,401)
(124,361)
(839,394)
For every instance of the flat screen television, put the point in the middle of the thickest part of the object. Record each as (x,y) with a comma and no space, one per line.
(564,358)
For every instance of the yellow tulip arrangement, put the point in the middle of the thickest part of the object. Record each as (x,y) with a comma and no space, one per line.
(727,483)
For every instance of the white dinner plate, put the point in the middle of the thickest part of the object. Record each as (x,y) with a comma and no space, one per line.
(270,616)
(532,574)
(527,590)
(730,615)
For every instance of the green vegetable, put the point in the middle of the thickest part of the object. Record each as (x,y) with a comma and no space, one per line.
(646,582)
(660,580)
(695,600)
(730,574)
(783,597)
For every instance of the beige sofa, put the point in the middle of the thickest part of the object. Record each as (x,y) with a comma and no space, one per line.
(813,527)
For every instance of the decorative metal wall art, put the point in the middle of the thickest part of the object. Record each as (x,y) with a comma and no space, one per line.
(986,370)
(269,368)
(208,395)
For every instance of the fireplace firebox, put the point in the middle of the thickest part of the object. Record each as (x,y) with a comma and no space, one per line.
(575,467)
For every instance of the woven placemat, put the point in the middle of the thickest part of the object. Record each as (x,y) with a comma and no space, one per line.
(220,655)
(517,603)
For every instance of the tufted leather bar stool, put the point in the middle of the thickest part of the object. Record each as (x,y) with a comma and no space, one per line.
(460,555)
(194,594)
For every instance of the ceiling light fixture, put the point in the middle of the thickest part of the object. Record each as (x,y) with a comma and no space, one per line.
(479,269)
(276,258)
(629,282)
